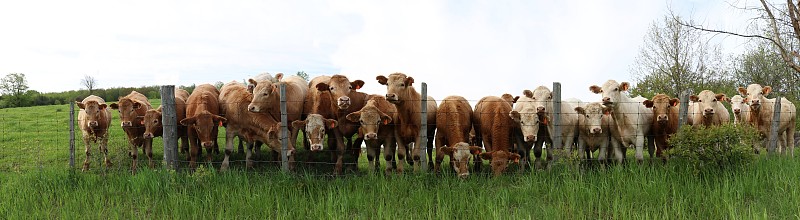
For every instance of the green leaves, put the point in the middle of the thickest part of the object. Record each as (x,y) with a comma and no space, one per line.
(725,147)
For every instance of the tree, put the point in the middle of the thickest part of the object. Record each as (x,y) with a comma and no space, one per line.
(303,75)
(89,82)
(14,85)
(763,65)
(219,84)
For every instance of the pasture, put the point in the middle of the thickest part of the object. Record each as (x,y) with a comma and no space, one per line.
(38,183)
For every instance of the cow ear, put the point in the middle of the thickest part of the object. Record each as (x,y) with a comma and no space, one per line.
(136,105)
(648,103)
(580,110)
(720,97)
(357,84)
(766,90)
(515,99)
(514,115)
(354,117)
(486,155)
(278,77)
(595,89)
(527,93)
(114,106)
(322,87)
(250,88)
(386,119)
(514,157)
(298,124)
(80,105)
(674,101)
(475,150)
(694,98)
(252,82)
(409,81)
(382,79)
(742,91)
(447,150)
(188,121)
(330,123)
(624,86)
(102,106)
(221,120)
(607,110)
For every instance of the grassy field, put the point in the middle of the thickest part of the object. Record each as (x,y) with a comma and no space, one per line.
(37,183)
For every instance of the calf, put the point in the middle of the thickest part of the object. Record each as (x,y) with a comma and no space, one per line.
(93,119)
(708,109)
(407,100)
(202,121)
(762,111)
(132,109)
(497,130)
(377,119)
(597,127)
(453,120)
(741,110)
(152,120)
(633,119)
(665,121)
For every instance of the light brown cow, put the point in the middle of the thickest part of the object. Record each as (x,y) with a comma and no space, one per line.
(665,121)
(266,98)
(316,103)
(597,128)
(132,109)
(152,120)
(762,112)
(94,119)
(708,109)
(497,130)
(453,120)
(202,121)
(343,99)
(377,119)
(401,93)
(633,119)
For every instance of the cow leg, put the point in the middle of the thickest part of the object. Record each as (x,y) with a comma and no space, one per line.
(229,136)
(86,141)
(651,148)
(431,133)
(340,151)
(184,144)
(194,149)
(389,147)
(104,148)
(214,135)
(537,152)
(790,138)
(603,150)
(148,148)
(639,148)
(582,149)
(241,143)
(618,152)
(373,146)
(440,139)
(401,152)
(134,153)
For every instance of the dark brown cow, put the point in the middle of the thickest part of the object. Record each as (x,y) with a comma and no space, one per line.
(665,121)
(497,130)
(377,119)
(152,120)
(202,121)
(94,119)
(454,121)
(343,99)
(401,93)
(132,109)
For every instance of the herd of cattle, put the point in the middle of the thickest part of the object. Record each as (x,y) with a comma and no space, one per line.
(501,129)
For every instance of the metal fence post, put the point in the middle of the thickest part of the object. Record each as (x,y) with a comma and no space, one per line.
(423,139)
(556,120)
(773,131)
(683,111)
(284,130)
(72,135)
(169,122)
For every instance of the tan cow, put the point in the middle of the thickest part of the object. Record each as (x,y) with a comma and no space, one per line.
(633,119)
(708,109)
(152,120)
(543,101)
(377,120)
(344,99)
(266,98)
(665,121)
(94,119)
(132,109)
(202,121)
(597,128)
(453,120)
(532,131)
(741,110)
(762,111)
(497,131)
(401,93)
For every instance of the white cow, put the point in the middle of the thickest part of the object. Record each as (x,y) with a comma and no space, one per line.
(761,110)
(708,109)
(741,110)
(543,101)
(633,118)
(596,127)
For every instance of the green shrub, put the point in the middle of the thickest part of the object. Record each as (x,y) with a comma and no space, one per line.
(721,148)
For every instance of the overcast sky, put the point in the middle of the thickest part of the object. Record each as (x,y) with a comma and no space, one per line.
(467,48)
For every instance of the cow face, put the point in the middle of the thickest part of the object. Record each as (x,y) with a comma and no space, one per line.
(708,101)
(204,124)
(738,104)
(661,105)
(93,110)
(129,112)
(263,92)
(316,127)
(755,94)
(542,99)
(152,123)
(397,86)
(340,88)
(273,139)
(499,160)
(461,154)
(528,122)
(611,91)
(593,115)
(371,119)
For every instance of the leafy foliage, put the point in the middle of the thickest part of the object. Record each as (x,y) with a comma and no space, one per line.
(712,149)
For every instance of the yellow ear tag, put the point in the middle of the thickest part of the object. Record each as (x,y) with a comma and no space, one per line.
(385,122)
(220,123)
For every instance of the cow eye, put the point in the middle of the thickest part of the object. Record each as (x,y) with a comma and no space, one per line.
(616,89)
(332,88)
(714,100)
(350,87)
(155,121)
(550,97)
(699,100)
(266,94)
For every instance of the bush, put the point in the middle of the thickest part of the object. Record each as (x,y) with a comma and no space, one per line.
(725,147)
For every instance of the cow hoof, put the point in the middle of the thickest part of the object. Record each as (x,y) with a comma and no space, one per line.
(85,167)
(109,163)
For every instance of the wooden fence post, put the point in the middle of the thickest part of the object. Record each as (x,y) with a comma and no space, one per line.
(169,121)
(72,135)
(423,139)
(773,131)
(284,130)
(556,120)
(683,111)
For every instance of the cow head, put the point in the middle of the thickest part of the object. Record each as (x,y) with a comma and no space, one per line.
(738,104)
(93,110)
(593,116)
(397,86)
(204,124)
(273,139)
(130,112)
(316,127)
(340,88)
(509,98)
(528,122)
(499,160)
(152,123)
(755,94)
(708,101)
(371,119)
(662,105)
(263,92)
(611,91)
(461,153)
(542,99)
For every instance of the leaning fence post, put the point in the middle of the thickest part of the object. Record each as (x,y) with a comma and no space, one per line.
(683,111)
(556,120)
(284,130)
(773,131)
(169,122)
(72,135)
(423,131)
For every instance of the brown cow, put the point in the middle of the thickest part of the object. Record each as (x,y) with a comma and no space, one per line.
(132,109)
(377,119)
(202,121)
(401,93)
(343,99)
(94,119)
(762,112)
(497,129)
(454,121)
(316,103)
(266,98)
(665,121)
(152,120)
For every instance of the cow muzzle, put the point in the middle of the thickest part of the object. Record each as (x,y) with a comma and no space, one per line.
(148,135)
(530,138)
(371,136)
(391,97)
(596,130)
(208,143)
(662,119)
(708,112)
(316,147)
(737,111)
(607,101)
(343,102)
(93,124)
(127,124)
(540,109)
(253,108)
(463,175)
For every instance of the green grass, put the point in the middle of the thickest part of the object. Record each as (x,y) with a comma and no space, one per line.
(37,183)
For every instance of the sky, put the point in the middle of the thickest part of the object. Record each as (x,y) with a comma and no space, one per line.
(468,48)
